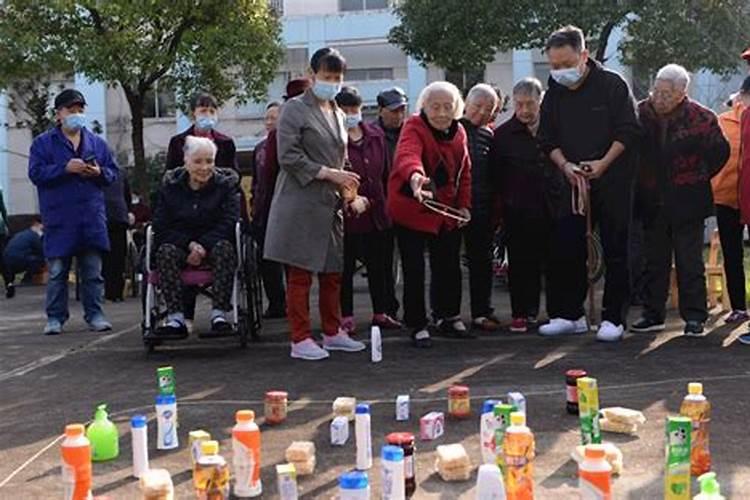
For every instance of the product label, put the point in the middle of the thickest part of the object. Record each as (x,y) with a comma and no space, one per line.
(572,394)
(677,477)
(409,466)
(488,428)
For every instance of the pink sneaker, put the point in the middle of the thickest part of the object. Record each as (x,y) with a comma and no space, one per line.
(518,325)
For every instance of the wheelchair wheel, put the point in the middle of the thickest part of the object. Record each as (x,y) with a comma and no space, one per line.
(253,289)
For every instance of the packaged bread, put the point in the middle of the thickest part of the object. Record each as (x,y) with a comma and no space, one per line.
(156,484)
(305,468)
(453,463)
(612,454)
(624,416)
(607,425)
(300,451)
(344,407)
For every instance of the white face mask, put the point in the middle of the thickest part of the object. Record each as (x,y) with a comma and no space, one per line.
(567,76)
(352,121)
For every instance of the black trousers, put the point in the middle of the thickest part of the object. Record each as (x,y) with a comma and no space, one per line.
(662,239)
(732,247)
(478,237)
(528,239)
(272,275)
(611,204)
(113,262)
(445,274)
(392,305)
(8,276)
(371,249)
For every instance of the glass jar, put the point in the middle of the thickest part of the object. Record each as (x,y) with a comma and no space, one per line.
(459,403)
(406,441)
(276,407)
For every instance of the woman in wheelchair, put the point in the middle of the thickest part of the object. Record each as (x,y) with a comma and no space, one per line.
(194,226)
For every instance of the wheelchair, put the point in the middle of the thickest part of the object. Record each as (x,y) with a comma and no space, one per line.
(247,299)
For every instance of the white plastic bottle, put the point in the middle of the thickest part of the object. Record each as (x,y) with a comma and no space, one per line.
(166,422)
(354,486)
(139,436)
(488,424)
(393,483)
(376,345)
(246,455)
(490,484)
(363,436)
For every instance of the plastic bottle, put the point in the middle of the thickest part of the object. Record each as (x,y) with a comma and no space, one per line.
(696,407)
(392,461)
(103,436)
(166,420)
(354,486)
(595,474)
(710,489)
(518,449)
(363,436)
(488,424)
(76,464)
(211,474)
(376,345)
(139,437)
(246,455)
(490,484)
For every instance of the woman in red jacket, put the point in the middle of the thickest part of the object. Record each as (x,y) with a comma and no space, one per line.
(431,160)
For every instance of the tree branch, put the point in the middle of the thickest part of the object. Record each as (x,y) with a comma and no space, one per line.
(174,42)
(601,49)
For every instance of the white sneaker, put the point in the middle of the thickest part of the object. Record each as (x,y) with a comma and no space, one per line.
(308,349)
(608,332)
(342,342)
(559,326)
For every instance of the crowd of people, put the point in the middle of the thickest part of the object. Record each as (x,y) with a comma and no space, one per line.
(332,192)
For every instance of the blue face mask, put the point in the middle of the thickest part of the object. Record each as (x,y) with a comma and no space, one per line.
(326,91)
(205,122)
(75,121)
(567,76)
(352,121)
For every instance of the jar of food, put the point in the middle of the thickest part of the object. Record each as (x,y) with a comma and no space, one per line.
(571,389)
(406,441)
(276,407)
(459,404)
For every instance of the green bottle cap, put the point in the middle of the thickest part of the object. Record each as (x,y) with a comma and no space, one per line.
(709,484)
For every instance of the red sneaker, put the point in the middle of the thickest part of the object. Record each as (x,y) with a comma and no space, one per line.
(385,322)
(518,325)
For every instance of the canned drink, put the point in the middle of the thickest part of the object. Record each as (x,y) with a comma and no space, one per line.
(677,468)
(195,438)
(588,410)
(402,407)
(518,400)
(165,379)
(502,415)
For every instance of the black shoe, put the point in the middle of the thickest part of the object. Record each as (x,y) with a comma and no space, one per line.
(693,329)
(421,338)
(172,332)
(455,328)
(647,325)
(275,313)
(220,325)
(10,291)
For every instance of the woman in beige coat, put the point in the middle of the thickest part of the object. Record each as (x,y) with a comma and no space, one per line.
(305,223)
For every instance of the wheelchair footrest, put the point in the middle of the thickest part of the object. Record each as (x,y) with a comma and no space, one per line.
(218,334)
(162,335)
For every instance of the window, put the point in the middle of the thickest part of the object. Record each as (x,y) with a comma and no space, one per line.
(159,102)
(356,5)
(541,73)
(365,74)
(464,80)
(277,6)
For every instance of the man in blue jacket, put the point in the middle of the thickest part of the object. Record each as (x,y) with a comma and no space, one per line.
(24,254)
(69,166)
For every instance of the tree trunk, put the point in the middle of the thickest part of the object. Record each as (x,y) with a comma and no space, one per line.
(140,172)
(601,49)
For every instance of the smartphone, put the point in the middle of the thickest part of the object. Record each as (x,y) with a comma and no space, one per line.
(90,160)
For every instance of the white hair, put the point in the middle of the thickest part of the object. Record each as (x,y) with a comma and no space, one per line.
(458,102)
(483,90)
(676,74)
(194,144)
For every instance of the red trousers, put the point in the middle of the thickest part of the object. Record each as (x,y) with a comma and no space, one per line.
(299,282)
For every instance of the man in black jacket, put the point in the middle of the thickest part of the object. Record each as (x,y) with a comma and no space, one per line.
(589,129)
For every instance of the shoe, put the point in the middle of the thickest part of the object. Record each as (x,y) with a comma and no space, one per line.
(454,327)
(486,323)
(693,329)
(386,322)
(734,317)
(308,350)
(100,325)
(10,291)
(609,332)
(532,321)
(53,327)
(559,327)
(172,331)
(519,325)
(220,324)
(644,325)
(275,313)
(744,339)
(342,342)
(421,338)
(348,325)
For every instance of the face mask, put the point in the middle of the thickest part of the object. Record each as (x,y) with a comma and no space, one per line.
(326,91)
(136,200)
(75,121)
(205,122)
(352,121)
(567,77)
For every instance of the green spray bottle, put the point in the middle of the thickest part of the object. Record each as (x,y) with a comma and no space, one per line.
(103,435)
(710,489)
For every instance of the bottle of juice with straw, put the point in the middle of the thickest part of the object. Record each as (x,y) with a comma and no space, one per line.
(518,448)
(696,407)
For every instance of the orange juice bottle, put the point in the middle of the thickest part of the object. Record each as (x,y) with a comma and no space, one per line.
(518,448)
(696,407)
(246,455)
(76,464)
(595,474)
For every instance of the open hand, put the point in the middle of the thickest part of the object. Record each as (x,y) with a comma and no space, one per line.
(417,183)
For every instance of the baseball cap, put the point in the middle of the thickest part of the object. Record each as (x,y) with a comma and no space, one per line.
(392,98)
(68,98)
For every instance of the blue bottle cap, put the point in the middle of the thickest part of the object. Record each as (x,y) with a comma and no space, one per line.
(392,453)
(363,409)
(166,399)
(489,405)
(354,480)
(138,421)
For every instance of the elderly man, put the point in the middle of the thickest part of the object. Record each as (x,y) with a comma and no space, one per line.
(481,103)
(70,166)
(683,148)
(588,126)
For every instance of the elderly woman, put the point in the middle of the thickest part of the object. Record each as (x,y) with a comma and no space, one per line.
(432,161)
(683,149)
(481,103)
(305,224)
(196,212)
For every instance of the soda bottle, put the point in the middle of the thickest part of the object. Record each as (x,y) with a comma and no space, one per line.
(246,455)
(595,474)
(696,407)
(518,448)
(211,474)
(76,464)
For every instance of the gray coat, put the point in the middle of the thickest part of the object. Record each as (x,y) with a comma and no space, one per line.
(305,223)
